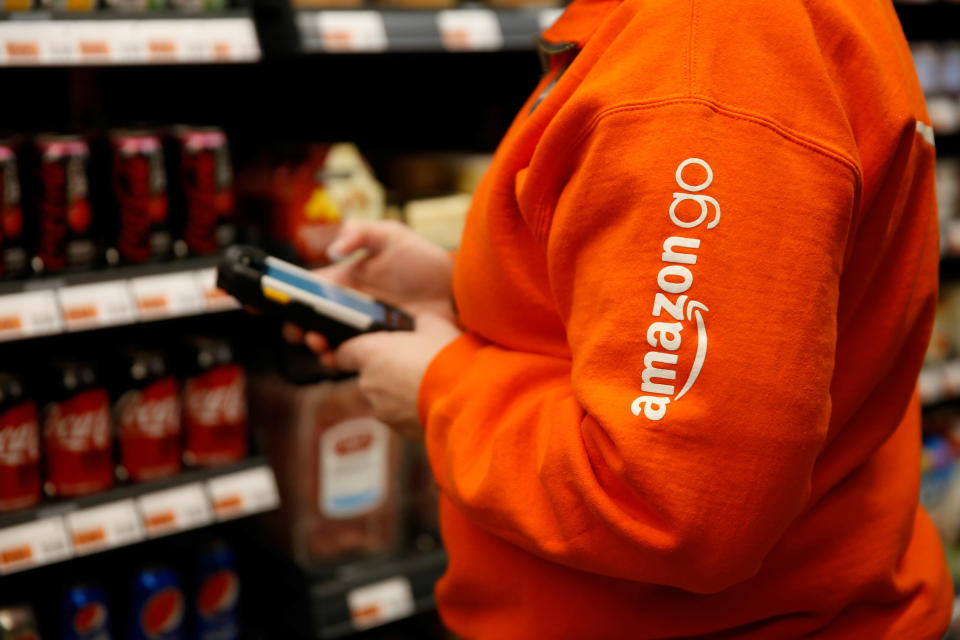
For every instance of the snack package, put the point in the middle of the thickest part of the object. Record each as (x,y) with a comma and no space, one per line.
(337,470)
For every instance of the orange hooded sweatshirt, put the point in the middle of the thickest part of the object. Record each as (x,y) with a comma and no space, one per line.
(698,282)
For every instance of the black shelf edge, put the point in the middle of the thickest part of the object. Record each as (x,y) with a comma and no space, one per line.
(330,611)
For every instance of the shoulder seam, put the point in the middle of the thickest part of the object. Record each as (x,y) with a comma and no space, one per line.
(796,137)
(811,144)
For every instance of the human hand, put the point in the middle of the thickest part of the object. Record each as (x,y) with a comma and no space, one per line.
(391,366)
(399,267)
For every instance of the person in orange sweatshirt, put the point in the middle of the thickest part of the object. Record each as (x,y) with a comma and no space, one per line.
(693,295)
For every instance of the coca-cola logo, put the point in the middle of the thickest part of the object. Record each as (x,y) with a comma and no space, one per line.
(18,443)
(215,404)
(79,429)
(153,417)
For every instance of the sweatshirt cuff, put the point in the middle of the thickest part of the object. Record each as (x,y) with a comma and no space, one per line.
(444,372)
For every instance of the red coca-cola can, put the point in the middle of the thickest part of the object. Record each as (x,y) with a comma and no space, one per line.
(138,181)
(77,434)
(14,261)
(19,447)
(202,181)
(214,406)
(148,417)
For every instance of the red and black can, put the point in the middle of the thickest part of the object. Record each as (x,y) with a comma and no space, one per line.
(202,181)
(14,261)
(77,434)
(138,196)
(19,446)
(214,405)
(64,220)
(148,417)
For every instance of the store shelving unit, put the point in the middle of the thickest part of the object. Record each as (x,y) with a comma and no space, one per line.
(113,37)
(366,596)
(397,30)
(127,515)
(110,297)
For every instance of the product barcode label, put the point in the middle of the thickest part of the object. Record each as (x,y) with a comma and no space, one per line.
(243,493)
(103,527)
(352,31)
(31,313)
(33,544)
(469,30)
(177,509)
(382,602)
(172,294)
(96,305)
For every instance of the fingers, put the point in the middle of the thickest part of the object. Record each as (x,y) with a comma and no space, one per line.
(350,355)
(359,234)
(292,333)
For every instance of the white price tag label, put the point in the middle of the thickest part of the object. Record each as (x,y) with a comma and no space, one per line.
(111,525)
(231,40)
(23,42)
(547,17)
(931,384)
(243,493)
(176,509)
(174,294)
(381,602)
(33,544)
(469,30)
(352,31)
(214,298)
(127,43)
(96,305)
(31,313)
(162,39)
(951,378)
(91,41)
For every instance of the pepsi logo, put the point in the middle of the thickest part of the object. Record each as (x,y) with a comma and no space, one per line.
(163,612)
(90,617)
(219,593)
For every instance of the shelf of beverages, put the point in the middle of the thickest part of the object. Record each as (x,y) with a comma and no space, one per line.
(395,30)
(112,229)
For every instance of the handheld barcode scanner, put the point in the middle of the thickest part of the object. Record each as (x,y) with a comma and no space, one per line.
(282,289)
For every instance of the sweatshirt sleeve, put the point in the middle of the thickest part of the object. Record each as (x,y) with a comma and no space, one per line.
(694,255)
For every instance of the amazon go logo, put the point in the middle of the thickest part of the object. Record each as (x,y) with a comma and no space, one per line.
(673,309)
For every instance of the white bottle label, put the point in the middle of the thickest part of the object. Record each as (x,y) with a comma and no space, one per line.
(353,467)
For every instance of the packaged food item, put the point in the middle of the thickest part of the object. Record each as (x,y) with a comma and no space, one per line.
(218,590)
(138,197)
(302,197)
(320,4)
(214,404)
(84,614)
(159,606)
(418,4)
(148,416)
(14,261)
(199,5)
(201,187)
(16,5)
(64,215)
(439,220)
(19,446)
(18,622)
(338,470)
(77,435)
(68,5)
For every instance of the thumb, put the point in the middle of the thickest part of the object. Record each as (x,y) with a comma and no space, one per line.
(351,355)
(355,235)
